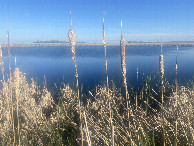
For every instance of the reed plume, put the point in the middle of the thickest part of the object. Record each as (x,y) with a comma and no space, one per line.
(161,60)
(161,63)
(72,37)
(135,123)
(123,68)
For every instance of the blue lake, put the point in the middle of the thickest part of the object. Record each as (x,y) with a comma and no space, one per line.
(57,65)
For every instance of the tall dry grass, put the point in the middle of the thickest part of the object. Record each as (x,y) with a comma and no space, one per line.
(72,37)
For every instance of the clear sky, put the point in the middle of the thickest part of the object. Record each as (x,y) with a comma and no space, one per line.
(143,20)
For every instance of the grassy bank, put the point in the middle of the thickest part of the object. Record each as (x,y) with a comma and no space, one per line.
(29,116)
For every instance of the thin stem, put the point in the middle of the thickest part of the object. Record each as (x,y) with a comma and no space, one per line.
(10,86)
(136,89)
(1,63)
(176,102)
(9,53)
(106,72)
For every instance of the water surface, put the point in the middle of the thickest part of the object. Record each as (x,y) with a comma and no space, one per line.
(55,63)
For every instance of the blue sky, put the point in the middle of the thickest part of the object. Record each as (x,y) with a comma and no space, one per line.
(143,20)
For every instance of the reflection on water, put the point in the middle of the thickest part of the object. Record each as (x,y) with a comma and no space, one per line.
(56,64)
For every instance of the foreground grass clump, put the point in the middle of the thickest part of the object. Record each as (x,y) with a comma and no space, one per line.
(178,120)
(23,112)
(29,115)
(123,133)
(144,129)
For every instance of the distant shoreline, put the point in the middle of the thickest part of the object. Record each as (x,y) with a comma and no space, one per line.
(97,44)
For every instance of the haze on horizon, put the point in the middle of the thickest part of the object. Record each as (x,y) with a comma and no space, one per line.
(30,21)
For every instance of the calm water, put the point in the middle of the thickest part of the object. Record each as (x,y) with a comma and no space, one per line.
(57,65)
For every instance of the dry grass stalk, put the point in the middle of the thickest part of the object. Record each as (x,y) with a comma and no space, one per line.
(87,130)
(11,87)
(162,70)
(16,78)
(176,122)
(1,64)
(162,85)
(106,71)
(107,84)
(9,53)
(123,68)
(123,65)
(136,89)
(72,37)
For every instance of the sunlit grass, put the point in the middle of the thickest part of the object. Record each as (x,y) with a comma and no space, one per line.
(44,122)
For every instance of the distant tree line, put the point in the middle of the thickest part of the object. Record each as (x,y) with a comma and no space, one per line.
(54,41)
